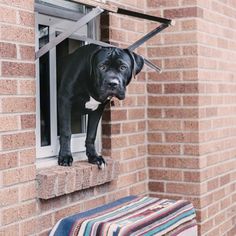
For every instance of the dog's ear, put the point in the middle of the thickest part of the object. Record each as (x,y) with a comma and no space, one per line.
(137,62)
(95,51)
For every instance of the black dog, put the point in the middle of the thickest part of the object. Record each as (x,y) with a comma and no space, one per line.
(89,79)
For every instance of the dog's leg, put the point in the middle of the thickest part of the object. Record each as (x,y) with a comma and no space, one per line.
(65,157)
(93,121)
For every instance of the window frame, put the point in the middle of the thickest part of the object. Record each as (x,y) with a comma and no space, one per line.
(46,153)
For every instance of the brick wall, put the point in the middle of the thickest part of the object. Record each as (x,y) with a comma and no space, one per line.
(173,135)
(17,118)
(191,110)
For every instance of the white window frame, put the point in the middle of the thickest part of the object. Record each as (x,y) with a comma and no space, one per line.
(45,153)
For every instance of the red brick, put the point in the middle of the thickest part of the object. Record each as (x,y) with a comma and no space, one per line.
(27,87)
(15,69)
(12,229)
(158,174)
(7,50)
(27,156)
(142,125)
(189,24)
(17,34)
(183,12)
(164,125)
(28,191)
(10,215)
(18,104)
(117,35)
(162,3)
(9,196)
(26,18)
(154,137)
(182,113)
(183,188)
(8,160)
(108,129)
(190,75)
(163,149)
(136,88)
(47,182)
(127,180)
(188,37)
(8,123)
(27,210)
(27,52)
(128,102)
(142,150)
(180,63)
(154,88)
(7,15)
(116,115)
(136,139)
(156,186)
(213,184)
(181,88)
(8,87)
(163,101)
(19,140)
(164,76)
(130,152)
(138,189)
(189,163)
(182,137)
(94,203)
(191,150)
(155,52)
(127,23)
(23,4)
(45,222)
(70,210)
(28,227)
(154,113)
(28,121)
(119,142)
(20,175)
(141,101)
(134,114)
(192,176)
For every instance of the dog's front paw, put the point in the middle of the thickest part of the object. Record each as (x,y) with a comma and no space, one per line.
(98,160)
(65,160)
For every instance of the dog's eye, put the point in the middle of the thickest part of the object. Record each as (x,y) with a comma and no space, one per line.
(102,67)
(123,67)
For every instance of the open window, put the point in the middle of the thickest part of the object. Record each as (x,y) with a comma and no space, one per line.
(53,18)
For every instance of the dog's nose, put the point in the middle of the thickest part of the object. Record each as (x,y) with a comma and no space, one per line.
(113,83)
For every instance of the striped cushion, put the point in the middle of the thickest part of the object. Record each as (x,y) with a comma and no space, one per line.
(132,216)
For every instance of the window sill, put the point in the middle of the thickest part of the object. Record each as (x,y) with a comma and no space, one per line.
(58,180)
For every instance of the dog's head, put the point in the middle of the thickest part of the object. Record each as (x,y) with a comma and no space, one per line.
(112,70)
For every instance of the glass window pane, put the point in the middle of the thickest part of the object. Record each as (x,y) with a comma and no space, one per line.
(63,49)
(44,77)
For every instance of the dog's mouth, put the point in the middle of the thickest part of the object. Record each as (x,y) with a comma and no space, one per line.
(109,94)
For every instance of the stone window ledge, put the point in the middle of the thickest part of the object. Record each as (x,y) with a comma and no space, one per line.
(58,180)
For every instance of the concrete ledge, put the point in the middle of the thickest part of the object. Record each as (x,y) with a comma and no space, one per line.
(58,180)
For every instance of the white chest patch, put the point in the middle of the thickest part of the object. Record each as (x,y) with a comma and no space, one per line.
(92,104)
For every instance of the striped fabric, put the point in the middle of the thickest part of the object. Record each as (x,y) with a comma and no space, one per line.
(131,216)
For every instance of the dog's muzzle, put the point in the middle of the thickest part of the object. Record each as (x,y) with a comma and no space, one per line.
(113,88)
(113,84)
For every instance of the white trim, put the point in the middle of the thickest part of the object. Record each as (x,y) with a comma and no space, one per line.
(77,142)
(45,162)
